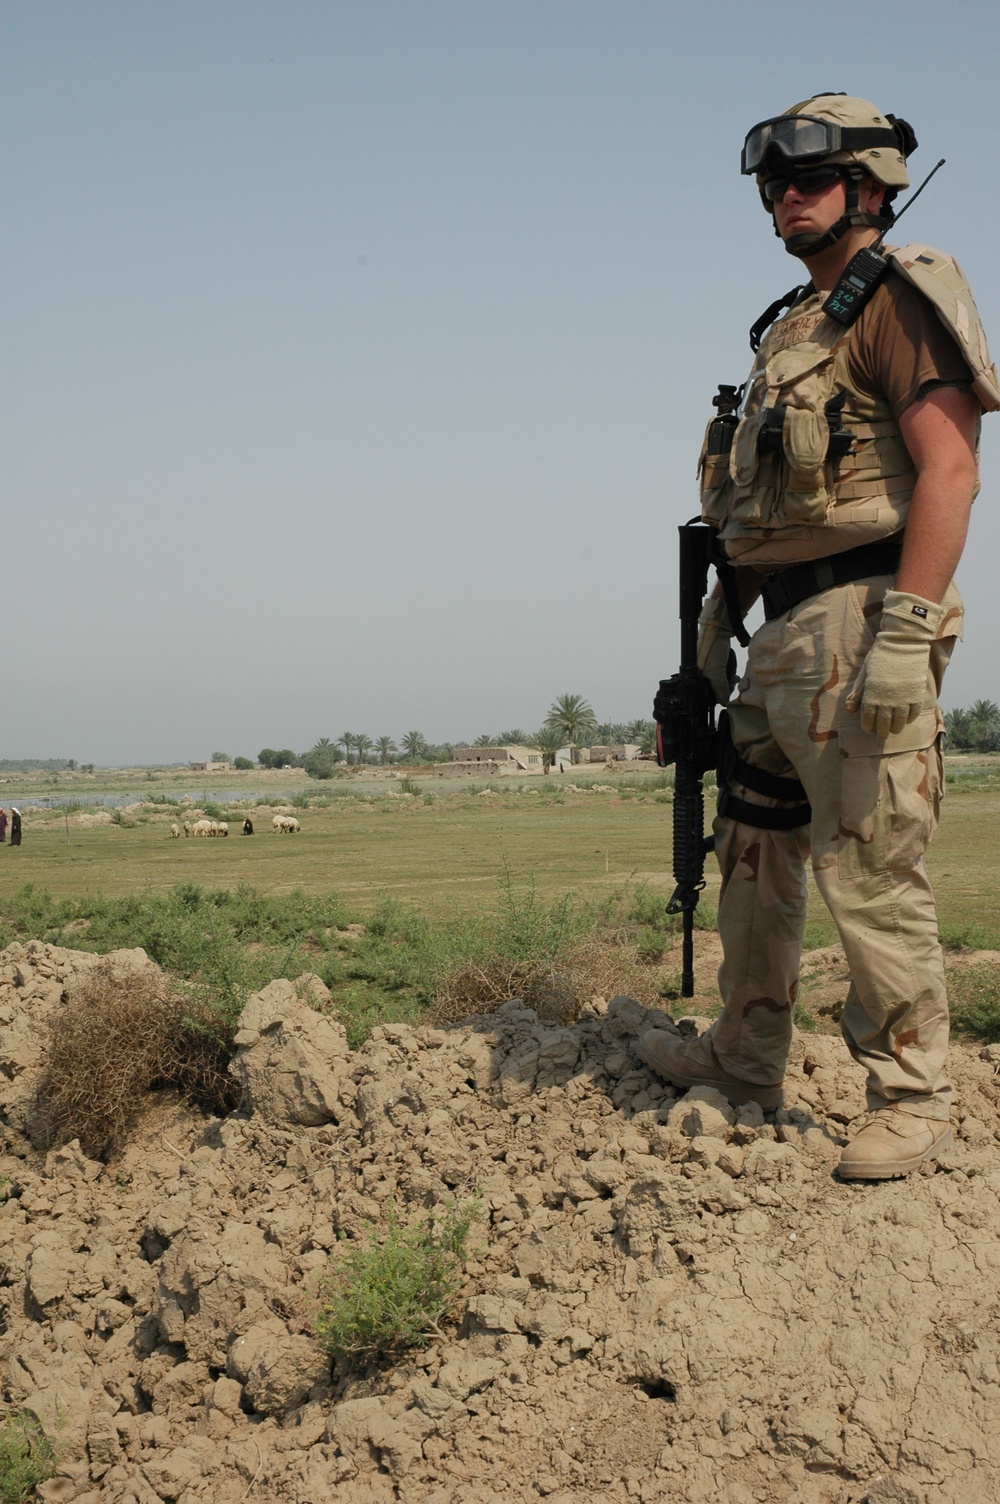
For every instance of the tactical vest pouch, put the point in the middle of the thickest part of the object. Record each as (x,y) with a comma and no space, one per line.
(713,470)
(743,459)
(805,438)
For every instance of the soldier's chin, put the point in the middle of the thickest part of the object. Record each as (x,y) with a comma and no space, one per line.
(804,244)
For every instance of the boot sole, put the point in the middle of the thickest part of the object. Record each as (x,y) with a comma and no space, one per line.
(892,1169)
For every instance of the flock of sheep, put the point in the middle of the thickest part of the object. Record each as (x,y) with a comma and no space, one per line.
(281,824)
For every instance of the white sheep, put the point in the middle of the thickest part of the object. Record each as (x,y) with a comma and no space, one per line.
(202,828)
(174,831)
(188,827)
(286,824)
(223,829)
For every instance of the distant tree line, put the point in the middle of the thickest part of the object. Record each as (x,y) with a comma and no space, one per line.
(571,722)
(41,765)
(976,729)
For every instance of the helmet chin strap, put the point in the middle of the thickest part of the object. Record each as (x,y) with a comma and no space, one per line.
(807,245)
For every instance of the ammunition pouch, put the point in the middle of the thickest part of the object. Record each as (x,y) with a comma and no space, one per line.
(771,434)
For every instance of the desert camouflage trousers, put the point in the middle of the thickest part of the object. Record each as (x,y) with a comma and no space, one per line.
(875,807)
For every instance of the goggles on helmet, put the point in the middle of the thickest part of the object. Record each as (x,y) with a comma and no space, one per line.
(804,138)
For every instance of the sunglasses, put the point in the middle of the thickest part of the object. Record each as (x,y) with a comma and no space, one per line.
(809,180)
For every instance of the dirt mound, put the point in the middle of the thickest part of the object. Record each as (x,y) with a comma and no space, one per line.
(672,1300)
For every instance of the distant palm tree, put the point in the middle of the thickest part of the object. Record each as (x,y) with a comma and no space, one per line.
(484,741)
(548,741)
(636,731)
(385,747)
(362,745)
(414,745)
(574,717)
(515,738)
(346,740)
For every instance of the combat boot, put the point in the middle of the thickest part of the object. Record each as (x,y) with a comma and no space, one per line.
(893,1143)
(693,1062)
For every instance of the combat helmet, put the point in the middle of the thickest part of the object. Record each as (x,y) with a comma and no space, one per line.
(832,130)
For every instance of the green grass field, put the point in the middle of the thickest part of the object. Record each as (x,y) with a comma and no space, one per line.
(430,854)
(449,852)
(461,896)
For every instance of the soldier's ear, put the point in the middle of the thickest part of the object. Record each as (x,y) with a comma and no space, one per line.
(871,195)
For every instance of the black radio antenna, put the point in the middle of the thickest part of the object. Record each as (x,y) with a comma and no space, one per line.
(909,201)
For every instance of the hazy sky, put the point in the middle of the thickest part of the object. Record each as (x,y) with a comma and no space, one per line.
(356,356)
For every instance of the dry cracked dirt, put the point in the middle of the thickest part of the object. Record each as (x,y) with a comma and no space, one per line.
(668,1300)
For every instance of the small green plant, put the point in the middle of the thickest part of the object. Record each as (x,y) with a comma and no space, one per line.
(970,935)
(409,786)
(803,1019)
(670,987)
(393,1290)
(650,944)
(975,1001)
(26,1457)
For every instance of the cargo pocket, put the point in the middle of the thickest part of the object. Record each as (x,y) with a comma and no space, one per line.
(890,797)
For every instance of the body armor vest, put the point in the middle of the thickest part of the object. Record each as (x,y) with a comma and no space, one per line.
(815,466)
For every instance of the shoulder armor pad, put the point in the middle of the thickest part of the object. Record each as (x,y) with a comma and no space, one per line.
(942,281)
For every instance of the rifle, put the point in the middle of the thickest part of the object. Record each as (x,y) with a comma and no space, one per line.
(687,736)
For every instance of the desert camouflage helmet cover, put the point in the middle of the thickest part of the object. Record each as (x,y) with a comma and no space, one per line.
(831,128)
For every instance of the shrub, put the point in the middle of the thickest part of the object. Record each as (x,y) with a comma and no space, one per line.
(26,1457)
(648,908)
(650,944)
(975,1001)
(321,762)
(122,1034)
(392,1291)
(482,986)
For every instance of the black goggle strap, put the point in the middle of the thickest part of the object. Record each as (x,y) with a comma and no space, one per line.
(767,318)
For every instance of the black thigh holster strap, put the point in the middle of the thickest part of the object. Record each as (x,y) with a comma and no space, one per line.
(761,816)
(735,769)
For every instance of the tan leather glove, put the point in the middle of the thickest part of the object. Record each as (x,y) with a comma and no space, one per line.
(716,658)
(895,683)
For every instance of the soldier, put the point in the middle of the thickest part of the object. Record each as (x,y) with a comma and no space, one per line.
(844,501)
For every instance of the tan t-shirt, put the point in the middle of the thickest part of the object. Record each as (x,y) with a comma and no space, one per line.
(899,345)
